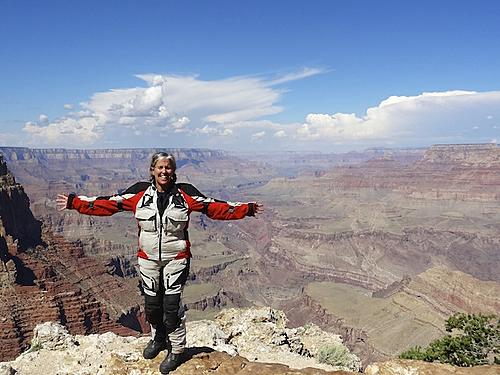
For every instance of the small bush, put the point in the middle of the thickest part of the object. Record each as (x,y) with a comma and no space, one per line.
(476,341)
(335,355)
(413,353)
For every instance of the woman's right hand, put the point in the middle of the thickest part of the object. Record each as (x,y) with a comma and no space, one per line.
(62,201)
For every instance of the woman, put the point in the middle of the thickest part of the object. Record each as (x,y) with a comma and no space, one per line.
(162,208)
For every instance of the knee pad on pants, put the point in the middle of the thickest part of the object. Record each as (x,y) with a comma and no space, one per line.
(171,305)
(153,309)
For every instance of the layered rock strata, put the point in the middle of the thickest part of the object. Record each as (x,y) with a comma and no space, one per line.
(305,309)
(417,307)
(58,283)
(44,277)
(456,172)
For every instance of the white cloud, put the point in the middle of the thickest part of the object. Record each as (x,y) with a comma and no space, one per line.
(215,131)
(207,130)
(43,119)
(170,103)
(280,134)
(222,101)
(179,125)
(226,132)
(259,124)
(80,131)
(234,109)
(432,116)
(258,136)
(301,74)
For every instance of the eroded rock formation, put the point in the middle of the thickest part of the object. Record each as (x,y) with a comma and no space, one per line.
(257,335)
(238,342)
(18,227)
(44,277)
(457,172)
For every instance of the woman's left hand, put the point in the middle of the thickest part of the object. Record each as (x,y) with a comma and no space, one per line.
(258,208)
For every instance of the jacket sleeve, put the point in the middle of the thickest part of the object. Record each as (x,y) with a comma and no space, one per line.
(108,205)
(213,208)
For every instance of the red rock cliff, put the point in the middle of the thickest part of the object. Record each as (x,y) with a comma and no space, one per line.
(44,278)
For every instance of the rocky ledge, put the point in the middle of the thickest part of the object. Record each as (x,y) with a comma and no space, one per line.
(239,341)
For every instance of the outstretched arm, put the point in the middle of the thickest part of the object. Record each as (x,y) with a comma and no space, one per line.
(217,209)
(105,205)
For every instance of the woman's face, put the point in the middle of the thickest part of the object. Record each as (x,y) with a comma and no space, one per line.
(162,173)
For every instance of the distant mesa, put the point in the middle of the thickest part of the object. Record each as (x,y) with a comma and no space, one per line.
(465,153)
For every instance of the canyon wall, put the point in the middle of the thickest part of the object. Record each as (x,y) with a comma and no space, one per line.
(17,222)
(45,278)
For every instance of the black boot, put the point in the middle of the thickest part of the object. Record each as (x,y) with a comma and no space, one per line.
(170,363)
(153,348)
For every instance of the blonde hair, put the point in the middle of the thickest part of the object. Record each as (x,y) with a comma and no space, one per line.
(161,155)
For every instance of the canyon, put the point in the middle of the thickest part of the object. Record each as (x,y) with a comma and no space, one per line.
(372,245)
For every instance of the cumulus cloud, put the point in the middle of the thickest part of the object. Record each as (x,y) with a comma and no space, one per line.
(180,125)
(211,130)
(437,117)
(237,108)
(258,136)
(433,116)
(75,131)
(280,134)
(226,132)
(180,104)
(207,130)
(43,119)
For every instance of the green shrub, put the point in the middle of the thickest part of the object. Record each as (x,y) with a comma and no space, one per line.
(413,353)
(334,355)
(475,340)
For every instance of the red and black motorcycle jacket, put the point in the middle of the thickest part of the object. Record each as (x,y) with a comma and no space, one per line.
(162,237)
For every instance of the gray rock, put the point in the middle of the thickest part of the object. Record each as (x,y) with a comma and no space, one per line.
(6,369)
(51,336)
(258,334)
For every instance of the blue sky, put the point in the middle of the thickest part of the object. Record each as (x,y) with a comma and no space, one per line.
(256,75)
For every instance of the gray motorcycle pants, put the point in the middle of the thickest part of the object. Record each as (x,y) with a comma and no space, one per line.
(163,282)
